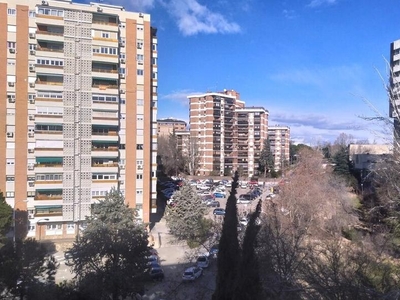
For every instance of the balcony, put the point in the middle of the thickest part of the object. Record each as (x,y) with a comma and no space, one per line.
(50,32)
(105,70)
(48,194)
(103,84)
(104,20)
(48,211)
(49,82)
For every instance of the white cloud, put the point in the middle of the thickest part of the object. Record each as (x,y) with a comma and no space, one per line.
(316,3)
(180,96)
(289,14)
(134,5)
(193,18)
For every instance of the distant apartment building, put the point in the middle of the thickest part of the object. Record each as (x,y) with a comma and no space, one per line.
(214,121)
(80,83)
(279,137)
(183,141)
(252,130)
(169,125)
(394,101)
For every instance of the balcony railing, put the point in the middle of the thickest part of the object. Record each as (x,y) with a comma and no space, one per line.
(49,82)
(104,70)
(105,149)
(110,133)
(49,32)
(48,196)
(104,87)
(44,165)
(105,165)
(50,49)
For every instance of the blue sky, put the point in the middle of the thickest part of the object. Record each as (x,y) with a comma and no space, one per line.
(310,63)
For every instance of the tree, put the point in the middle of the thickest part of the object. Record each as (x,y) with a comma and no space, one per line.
(186,217)
(266,161)
(248,282)
(5,218)
(193,155)
(110,257)
(229,251)
(24,266)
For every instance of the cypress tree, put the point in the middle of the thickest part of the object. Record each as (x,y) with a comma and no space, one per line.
(229,251)
(248,283)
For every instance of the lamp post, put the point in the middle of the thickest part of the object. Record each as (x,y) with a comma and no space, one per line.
(40,231)
(13,219)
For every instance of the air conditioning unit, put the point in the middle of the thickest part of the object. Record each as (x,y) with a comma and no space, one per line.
(31,167)
(122,91)
(99,9)
(31,150)
(140,15)
(10,134)
(32,101)
(31,68)
(32,35)
(32,52)
(122,76)
(122,167)
(32,84)
(31,216)
(31,117)
(122,44)
(11,100)
(31,184)
(11,84)
(140,167)
(45,3)
(31,134)
(122,60)
(140,62)
(11,50)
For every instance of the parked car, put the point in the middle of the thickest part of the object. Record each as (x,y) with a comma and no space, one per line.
(192,273)
(228,184)
(213,203)
(244,199)
(219,195)
(219,212)
(214,251)
(153,258)
(157,274)
(244,221)
(202,262)
(243,185)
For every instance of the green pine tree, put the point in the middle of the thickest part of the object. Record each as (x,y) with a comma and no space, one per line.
(266,162)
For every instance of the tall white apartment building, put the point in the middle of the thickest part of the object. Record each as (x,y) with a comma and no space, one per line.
(79,111)
(394,101)
(279,137)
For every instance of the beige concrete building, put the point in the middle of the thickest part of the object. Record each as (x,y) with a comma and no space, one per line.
(80,116)
(365,156)
(214,122)
(168,125)
(279,137)
(183,141)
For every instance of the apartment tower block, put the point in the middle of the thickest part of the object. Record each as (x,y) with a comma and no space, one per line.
(79,110)
(229,135)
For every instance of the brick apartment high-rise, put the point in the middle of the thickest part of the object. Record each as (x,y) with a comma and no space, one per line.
(230,136)
(78,111)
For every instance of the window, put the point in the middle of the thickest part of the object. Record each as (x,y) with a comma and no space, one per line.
(11,62)
(140,57)
(122,101)
(30,194)
(104,176)
(50,62)
(139,146)
(104,98)
(51,12)
(53,226)
(154,61)
(139,176)
(154,75)
(140,102)
(105,35)
(122,55)
(70,227)
(106,50)
(10,161)
(140,27)
(11,11)
(32,14)
(10,178)
(122,70)
(140,117)
(139,44)
(139,192)
(11,45)
(154,47)
(139,162)
(10,194)
(140,72)
(32,46)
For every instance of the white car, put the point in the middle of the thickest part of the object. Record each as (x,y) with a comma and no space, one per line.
(244,221)
(202,262)
(192,274)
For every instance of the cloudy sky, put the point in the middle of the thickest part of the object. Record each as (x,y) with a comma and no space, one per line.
(310,63)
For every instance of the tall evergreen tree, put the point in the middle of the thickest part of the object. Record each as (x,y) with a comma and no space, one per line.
(248,283)
(229,251)
(266,161)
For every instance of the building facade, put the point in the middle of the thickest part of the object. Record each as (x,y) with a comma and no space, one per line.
(224,144)
(170,125)
(81,87)
(394,100)
(279,137)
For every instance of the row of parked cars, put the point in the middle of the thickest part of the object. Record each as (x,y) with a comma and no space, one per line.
(202,262)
